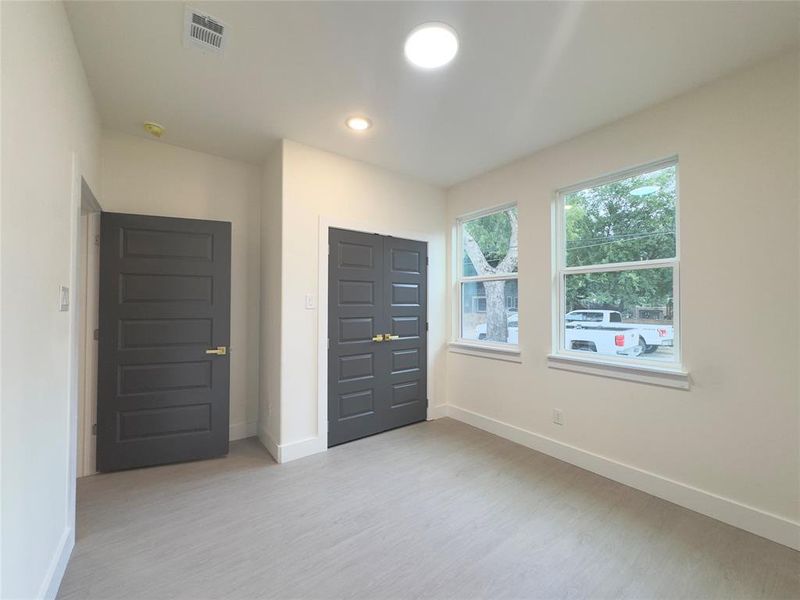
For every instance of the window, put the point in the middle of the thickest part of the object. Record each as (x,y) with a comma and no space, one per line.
(616,275)
(487,278)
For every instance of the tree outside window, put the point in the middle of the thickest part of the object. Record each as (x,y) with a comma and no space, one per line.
(488,277)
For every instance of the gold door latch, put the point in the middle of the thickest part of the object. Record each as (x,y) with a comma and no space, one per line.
(385,337)
(219,351)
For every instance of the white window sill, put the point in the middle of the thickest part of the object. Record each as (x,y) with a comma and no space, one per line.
(653,375)
(507,352)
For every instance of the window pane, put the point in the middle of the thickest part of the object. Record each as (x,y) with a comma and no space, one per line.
(624,313)
(488,311)
(490,244)
(624,221)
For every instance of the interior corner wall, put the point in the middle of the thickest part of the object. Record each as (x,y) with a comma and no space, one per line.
(150,177)
(269,411)
(736,434)
(48,119)
(318,184)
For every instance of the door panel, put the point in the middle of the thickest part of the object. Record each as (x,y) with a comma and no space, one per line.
(377,285)
(355,306)
(164,301)
(406,285)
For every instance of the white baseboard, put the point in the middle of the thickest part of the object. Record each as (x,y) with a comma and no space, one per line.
(48,590)
(754,520)
(437,412)
(271,445)
(239,431)
(301,449)
(283,453)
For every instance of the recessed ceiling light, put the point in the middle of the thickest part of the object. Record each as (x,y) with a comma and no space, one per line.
(431,45)
(358,123)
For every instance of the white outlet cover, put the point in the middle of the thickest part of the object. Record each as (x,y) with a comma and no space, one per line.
(309,301)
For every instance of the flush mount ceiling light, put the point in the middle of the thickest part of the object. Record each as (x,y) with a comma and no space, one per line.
(431,45)
(358,123)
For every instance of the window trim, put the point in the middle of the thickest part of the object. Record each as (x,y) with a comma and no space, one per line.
(612,366)
(458,343)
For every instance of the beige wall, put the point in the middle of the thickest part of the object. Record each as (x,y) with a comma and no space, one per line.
(319,184)
(269,412)
(47,116)
(153,178)
(736,433)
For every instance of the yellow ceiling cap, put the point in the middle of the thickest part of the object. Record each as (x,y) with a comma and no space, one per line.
(154,129)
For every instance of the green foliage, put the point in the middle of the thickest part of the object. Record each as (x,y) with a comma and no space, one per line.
(620,290)
(610,224)
(492,233)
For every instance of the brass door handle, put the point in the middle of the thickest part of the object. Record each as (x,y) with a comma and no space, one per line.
(388,337)
(377,338)
(219,351)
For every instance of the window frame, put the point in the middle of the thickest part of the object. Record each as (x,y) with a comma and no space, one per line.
(560,271)
(460,279)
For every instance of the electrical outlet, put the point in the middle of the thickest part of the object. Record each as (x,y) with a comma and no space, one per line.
(558,416)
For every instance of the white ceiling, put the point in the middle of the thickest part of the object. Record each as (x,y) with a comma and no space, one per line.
(527,75)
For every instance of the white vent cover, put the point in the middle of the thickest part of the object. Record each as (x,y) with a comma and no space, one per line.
(203,30)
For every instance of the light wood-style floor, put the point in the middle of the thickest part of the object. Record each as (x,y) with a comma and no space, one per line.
(435,510)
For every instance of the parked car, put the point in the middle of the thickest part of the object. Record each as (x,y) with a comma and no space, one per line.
(652,335)
(513,329)
(622,339)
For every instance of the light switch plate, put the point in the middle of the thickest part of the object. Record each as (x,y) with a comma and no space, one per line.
(309,301)
(63,298)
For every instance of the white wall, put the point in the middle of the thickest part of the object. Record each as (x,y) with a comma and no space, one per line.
(320,184)
(271,236)
(47,115)
(149,177)
(736,433)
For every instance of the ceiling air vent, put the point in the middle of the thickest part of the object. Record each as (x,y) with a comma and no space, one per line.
(203,30)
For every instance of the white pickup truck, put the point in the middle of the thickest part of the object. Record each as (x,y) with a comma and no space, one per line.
(648,336)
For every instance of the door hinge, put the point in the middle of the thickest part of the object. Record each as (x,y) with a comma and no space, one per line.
(329,343)
(427,260)
(426,326)
(97,334)
(94,429)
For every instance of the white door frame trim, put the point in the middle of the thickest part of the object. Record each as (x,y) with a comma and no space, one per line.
(325,223)
(87,294)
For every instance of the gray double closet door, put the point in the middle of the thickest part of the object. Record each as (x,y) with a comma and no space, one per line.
(377,334)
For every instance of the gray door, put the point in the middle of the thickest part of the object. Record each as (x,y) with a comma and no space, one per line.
(377,332)
(163,370)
